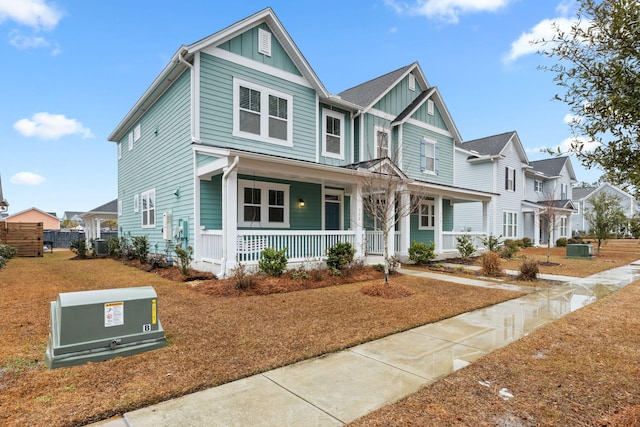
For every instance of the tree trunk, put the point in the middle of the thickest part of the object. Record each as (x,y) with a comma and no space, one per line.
(385,234)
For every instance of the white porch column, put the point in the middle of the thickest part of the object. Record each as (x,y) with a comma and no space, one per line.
(485,217)
(98,227)
(536,228)
(357,220)
(390,226)
(437,232)
(405,226)
(230,219)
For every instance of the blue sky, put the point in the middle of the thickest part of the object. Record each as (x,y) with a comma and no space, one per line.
(72,69)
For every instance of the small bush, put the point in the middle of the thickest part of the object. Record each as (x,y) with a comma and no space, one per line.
(141,247)
(526,242)
(113,246)
(185,256)
(340,255)
(378,267)
(334,272)
(157,260)
(243,277)
(561,242)
(273,262)
(79,246)
(300,273)
(529,269)
(7,252)
(491,265)
(574,240)
(3,262)
(421,253)
(465,246)
(509,249)
(491,242)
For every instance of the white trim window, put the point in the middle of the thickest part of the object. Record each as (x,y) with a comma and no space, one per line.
(119,151)
(564,191)
(262,114)
(509,179)
(136,203)
(333,134)
(130,141)
(427,215)
(137,132)
(509,224)
(263,204)
(538,186)
(563,226)
(428,156)
(148,208)
(430,107)
(383,142)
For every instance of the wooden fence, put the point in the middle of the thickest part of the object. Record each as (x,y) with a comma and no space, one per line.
(26,237)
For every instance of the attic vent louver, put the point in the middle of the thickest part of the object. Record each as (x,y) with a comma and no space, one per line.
(264,42)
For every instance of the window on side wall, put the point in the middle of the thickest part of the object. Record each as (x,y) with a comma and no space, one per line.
(428,156)
(509,179)
(563,226)
(427,215)
(509,224)
(261,113)
(383,142)
(333,134)
(263,204)
(564,190)
(538,186)
(148,208)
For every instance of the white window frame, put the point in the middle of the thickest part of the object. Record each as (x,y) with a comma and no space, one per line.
(431,215)
(538,186)
(430,107)
(428,142)
(137,133)
(335,115)
(381,129)
(511,179)
(136,203)
(563,226)
(119,151)
(564,191)
(264,42)
(148,213)
(264,204)
(412,82)
(265,92)
(130,141)
(509,224)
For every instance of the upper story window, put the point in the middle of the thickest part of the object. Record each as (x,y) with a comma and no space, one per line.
(261,113)
(263,204)
(509,179)
(412,82)
(428,156)
(564,191)
(430,107)
(148,208)
(427,214)
(264,42)
(383,142)
(333,134)
(130,141)
(538,186)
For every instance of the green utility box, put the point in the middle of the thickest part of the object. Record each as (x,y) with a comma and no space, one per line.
(93,326)
(579,251)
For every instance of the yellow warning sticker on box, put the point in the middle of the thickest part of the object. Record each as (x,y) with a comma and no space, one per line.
(154,312)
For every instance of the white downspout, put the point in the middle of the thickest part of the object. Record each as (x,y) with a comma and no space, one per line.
(225,176)
(192,97)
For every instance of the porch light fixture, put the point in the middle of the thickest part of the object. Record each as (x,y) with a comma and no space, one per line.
(301,203)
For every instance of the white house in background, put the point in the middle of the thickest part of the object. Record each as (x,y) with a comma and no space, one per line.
(581,197)
(95,218)
(523,190)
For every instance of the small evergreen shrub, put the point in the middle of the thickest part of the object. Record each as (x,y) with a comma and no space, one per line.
(185,256)
(421,253)
(157,260)
(3,262)
(529,269)
(491,265)
(561,242)
(378,267)
(113,246)
(526,242)
(491,242)
(340,255)
(300,273)
(509,249)
(243,277)
(7,252)
(79,246)
(141,247)
(465,246)
(334,272)
(574,240)
(273,262)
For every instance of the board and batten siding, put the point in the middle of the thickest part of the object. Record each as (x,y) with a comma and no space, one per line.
(398,98)
(162,160)
(216,109)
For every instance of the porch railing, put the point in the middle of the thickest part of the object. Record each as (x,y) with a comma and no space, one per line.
(374,242)
(450,240)
(211,245)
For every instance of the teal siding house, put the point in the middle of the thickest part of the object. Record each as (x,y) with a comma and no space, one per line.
(237,146)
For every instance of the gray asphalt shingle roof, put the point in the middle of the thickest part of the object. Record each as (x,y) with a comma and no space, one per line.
(490,145)
(581,193)
(549,167)
(364,94)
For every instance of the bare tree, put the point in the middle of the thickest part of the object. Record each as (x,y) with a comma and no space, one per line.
(550,218)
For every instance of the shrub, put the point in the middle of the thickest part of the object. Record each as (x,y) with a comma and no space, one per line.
(340,255)
(7,252)
(243,278)
(113,246)
(465,246)
(529,269)
(185,255)
(509,249)
(273,262)
(300,273)
(140,247)
(491,265)
(334,272)
(491,242)
(378,267)
(79,246)
(3,262)
(422,253)
(574,240)
(526,242)
(157,260)
(561,242)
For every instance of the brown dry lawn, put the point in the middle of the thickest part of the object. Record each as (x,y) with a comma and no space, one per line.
(213,339)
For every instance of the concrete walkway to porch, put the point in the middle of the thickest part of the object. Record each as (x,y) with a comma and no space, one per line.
(337,388)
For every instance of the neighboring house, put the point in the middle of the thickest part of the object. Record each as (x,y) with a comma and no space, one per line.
(237,145)
(581,197)
(74,217)
(95,218)
(49,220)
(4,205)
(526,190)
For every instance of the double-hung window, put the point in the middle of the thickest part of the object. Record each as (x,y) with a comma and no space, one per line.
(148,208)
(509,179)
(564,191)
(263,204)
(333,134)
(563,226)
(538,186)
(427,214)
(383,142)
(428,156)
(509,224)
(262,114)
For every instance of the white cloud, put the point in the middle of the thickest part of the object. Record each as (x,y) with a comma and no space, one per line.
(36,14)
(51,126)
(587,144)
(23,42)
(572,119)
(27,178)
(544,30)
(447,10)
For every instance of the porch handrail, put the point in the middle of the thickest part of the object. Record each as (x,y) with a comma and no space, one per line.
(449,239)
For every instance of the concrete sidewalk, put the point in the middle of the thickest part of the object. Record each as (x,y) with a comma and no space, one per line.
(338,388)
